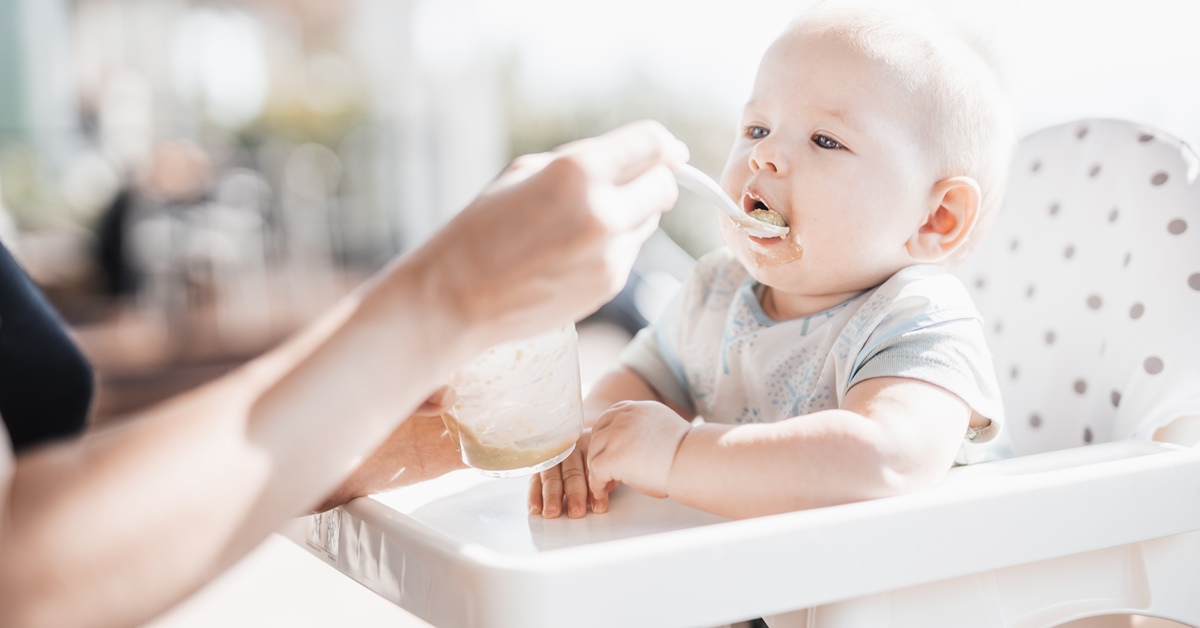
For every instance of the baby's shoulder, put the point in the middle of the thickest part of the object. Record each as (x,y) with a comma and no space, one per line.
(915,297)
(931,283)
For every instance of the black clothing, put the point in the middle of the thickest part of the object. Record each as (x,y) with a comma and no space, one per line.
(45,382)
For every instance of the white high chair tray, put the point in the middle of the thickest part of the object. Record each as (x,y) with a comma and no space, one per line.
(462,550)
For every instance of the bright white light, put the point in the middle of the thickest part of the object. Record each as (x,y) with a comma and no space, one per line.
(566,51)
(218,62)
(1064,60)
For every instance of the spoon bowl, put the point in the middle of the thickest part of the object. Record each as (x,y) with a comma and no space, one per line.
(693,179)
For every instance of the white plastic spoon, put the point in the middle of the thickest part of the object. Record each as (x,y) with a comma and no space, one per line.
(700,183)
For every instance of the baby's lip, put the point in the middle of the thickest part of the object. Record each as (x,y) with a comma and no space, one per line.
(753,198)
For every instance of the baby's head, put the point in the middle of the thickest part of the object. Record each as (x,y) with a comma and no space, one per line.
(883,140)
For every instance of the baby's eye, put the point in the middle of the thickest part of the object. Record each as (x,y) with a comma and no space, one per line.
(757,132)
(826,142)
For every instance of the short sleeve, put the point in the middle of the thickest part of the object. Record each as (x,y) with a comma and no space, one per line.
(952,355)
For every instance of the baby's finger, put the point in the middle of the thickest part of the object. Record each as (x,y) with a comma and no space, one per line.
(575,485)
(535,494)
(600,504)
(597,477)
(552,492)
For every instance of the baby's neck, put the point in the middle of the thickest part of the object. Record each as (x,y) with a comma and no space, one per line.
(782,306)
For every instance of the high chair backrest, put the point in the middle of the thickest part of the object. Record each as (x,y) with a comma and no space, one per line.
(1089,283)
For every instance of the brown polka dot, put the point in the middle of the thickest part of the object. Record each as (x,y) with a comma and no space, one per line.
(1094,301)
(1112,215)
(1029,291)
(1159,178)
(1035,166)
(1035,420)
(1194,281)
(1054,207)
(1081,132)
(1115,398)
(1145,137)
(1014,372)
(1136,311)
(1177,226)
(1087,435)
(1080,386)
(1094,171)
(1153,365)
(1069,252)
(1050,337)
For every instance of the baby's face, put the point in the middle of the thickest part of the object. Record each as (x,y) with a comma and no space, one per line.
(829,141)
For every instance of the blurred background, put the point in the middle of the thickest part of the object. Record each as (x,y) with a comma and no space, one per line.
(191,180)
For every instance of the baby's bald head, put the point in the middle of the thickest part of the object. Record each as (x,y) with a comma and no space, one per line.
(952,89)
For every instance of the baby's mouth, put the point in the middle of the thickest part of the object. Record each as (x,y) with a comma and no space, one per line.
(758,209)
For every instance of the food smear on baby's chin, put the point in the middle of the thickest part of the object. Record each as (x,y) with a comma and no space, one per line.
(773,251)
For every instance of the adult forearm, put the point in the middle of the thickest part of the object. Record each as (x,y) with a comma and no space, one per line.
(822,459)
(396,347)
(112,529)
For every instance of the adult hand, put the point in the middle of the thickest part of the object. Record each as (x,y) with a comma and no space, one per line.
(634,442)
(419,449)
(567,481)
(555,235)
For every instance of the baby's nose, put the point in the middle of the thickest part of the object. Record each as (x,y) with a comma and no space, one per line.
(765,157)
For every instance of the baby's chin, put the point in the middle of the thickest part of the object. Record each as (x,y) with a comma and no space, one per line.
(775,271)
(764,257)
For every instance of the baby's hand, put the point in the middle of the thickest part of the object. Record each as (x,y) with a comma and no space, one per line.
(634,442)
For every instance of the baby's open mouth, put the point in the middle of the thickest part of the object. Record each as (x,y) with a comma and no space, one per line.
(759,210)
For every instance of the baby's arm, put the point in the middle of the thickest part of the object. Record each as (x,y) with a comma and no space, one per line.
(548,488)
(892,435)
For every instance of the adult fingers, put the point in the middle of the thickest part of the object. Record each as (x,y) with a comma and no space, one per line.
(535,494)
(437,403)
(552,492)
(640,200)
(624,153)
(575,484)
(624,247)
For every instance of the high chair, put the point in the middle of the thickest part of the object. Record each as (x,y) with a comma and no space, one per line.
(1089,282)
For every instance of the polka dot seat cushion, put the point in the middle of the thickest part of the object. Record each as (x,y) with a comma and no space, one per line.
(1089,282)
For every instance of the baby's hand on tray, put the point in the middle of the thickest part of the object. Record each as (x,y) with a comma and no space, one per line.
(633,442)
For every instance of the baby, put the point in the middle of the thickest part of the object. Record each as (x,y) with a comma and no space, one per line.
(842,362)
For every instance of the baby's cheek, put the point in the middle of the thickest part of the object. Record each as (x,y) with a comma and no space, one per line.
(733,237)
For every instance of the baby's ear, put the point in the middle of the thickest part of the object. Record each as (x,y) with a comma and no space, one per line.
(953,210)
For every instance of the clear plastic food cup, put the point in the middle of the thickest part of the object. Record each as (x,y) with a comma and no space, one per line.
(519,406)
